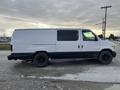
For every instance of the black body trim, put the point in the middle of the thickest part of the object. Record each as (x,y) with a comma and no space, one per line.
(62,55)
(57,55)
(22,56)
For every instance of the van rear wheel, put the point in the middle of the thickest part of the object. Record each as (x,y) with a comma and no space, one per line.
(40,60)
(105,57)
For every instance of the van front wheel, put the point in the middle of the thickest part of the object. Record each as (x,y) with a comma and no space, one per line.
(40,60)
(105,57)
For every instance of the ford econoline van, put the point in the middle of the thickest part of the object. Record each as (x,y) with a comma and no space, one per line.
(41,45)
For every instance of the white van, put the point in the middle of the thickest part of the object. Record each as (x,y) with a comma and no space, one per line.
(39,45)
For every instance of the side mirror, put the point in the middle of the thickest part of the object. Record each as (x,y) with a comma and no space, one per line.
(96,38)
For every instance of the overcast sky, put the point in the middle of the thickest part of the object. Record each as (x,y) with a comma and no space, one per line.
(58,13)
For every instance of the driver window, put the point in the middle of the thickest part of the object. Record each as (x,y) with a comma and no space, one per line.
(88,36)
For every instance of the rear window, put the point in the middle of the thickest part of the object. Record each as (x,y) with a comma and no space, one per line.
(67,35)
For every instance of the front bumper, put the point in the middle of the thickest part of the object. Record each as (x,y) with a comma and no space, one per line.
(114,54)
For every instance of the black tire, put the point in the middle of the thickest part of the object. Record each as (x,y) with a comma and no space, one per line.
(40,60)
(105,57)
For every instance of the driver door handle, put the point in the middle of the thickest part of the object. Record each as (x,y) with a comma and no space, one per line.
(81,46)
(78,46)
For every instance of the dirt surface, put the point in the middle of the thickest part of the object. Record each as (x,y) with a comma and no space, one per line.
(15,75)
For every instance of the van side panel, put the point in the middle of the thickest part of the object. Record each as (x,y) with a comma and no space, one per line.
(25,41)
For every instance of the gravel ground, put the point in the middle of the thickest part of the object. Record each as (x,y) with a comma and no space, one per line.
(15,75)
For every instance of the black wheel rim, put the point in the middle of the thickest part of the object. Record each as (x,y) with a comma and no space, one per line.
(40,60)
(106,57)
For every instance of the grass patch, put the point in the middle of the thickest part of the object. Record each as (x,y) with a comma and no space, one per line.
(4,46)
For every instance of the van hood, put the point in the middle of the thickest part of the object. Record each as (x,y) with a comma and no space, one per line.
(107,41)
(108,44)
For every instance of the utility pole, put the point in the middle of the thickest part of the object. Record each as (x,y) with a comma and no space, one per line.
(103,28)
(105,19)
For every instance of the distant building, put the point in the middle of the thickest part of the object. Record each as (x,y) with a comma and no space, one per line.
(118,39)
(5,39)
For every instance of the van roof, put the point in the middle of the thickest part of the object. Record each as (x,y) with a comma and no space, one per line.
(53,29)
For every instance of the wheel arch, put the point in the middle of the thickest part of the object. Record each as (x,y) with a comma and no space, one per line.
(107,49)
(40,52)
